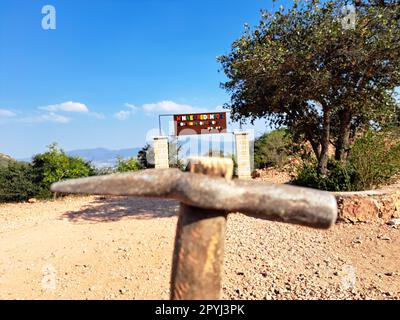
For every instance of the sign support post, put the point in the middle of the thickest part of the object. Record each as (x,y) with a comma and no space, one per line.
(161,152)
(243,155)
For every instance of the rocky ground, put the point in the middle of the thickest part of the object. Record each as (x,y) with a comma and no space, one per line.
(121,248)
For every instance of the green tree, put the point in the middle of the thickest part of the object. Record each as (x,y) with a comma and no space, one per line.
(4,160)
(55,165)
(375,159)
(303,69)
(127,165)
(146,157)
(272,149)
(17,182)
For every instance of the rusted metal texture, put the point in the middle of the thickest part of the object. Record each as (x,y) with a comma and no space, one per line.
(284,203)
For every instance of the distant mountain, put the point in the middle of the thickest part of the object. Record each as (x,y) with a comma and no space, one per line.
(102,157)
(4,159)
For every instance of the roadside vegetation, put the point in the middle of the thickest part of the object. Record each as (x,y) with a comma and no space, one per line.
(373,160)
(330,81)
(326,83)
(20,181)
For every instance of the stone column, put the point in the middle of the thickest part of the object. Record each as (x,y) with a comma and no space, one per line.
(161,152)
(243,155)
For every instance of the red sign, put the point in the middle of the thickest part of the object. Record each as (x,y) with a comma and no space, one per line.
(200,123)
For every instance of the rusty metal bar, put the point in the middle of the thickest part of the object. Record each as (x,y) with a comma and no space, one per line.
(199,242)
(207,194)
(198,254)
(286,203)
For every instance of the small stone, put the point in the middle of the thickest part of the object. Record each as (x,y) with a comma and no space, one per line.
(384,238)
(32,200)
(389,274)
(394,222)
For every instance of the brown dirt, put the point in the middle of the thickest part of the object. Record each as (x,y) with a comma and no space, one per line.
(121,248)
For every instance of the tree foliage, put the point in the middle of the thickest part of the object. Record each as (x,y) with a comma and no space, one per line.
(146,157)
(127,165)
(303,69)
(272,148)
(55,165)
(17,182)
(373,160)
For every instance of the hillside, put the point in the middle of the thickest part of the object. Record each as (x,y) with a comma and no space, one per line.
(102,157)
(4,159)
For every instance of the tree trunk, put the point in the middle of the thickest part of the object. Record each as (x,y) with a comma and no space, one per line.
(315,145)
(326,129)
(342,146)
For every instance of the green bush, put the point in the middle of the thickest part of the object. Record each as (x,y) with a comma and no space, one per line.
(4,160)
(16,182)
(146,157)
(373,160)
(272,149)
(340,177)
(55,165)
(127,165)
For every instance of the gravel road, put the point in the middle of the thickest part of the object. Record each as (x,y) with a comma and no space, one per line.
(121,248)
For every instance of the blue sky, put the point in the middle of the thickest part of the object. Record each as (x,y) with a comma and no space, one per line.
(110,67)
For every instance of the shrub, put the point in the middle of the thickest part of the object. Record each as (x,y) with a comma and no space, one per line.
(375,158)
(340,177)
(272,149)
(16,182)
(146,157)
(4,160)
(127,165)
(54,165)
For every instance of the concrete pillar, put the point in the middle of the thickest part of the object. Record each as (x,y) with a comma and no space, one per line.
(161,152)
(243,155)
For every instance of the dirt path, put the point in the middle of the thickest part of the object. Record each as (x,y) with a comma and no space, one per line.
(121,248)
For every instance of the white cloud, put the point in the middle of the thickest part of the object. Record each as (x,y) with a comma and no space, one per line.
(51,113)
(125,114)
(47,117)
(68,106)
(170,107)
(131,106)
(165,106)
(53,117)
(97,115)
(122,115)
(4,113)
